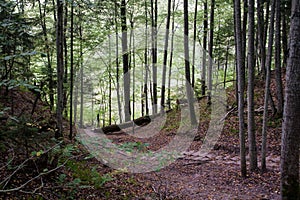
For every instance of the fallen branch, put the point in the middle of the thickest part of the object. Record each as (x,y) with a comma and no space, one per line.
(36,177)
(7,179)
(228,113)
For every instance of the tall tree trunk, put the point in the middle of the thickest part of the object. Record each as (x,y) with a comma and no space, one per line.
(132,44)
(65,101)
(260,30)
(71,69)
(76,95)
(81,76)
(117,63)
(125,62)
(205,27)
(187,65)
(267,87)
(145,95)
(47,50)
(226,64)
(110,83)
(241,84)
(194,43)
(171,55)
(290,143)
(154,53)
(165,59)
(284,37)
(210,48)
(250,98)
(244,30)
(279,89)
(60,67)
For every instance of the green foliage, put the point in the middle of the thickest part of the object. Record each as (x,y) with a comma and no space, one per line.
(19,128)
(16,41)
(133,146)
(86,175)
(23,85)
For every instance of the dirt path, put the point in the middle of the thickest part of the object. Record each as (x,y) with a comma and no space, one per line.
(213,176)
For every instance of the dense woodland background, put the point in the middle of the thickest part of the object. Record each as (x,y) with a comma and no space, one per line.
(100,63)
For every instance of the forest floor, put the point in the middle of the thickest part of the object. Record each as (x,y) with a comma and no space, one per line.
(34,166)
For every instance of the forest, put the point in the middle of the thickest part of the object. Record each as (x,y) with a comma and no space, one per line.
(148,99)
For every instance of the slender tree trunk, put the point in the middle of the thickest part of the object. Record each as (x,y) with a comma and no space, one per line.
(250,98)
(71,69)
(110,83)
(146,62)
(154,53)
(187,65)
(133,66)
(76,95)
(226,64)
(125,62)
(210,49)
(117,63)
(171,55)
(194,43)
(81,77)
(285,17)
(65,95)
(290,142)
(267,88)
(260,25)
(241,84)
(165,59)
(205,27)
(60,67)
(244,30)
(279,89)
(47,50)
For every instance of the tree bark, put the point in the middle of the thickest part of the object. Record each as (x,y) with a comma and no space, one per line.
(126,72)
(165,59)
(171,56)
(47,50)
(110,82)
(260,30)
(267,88)
(145,93)
(187,66)
(154,53)
(205,27)
(250,98)
(290,187)
(65,47)
(279,90)
(210,49)
(71,69)
(81,76)
(241,84)
(60,68)
(117,63)
(112,129)
(194,43)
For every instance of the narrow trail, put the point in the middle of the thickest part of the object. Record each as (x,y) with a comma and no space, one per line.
(211,176)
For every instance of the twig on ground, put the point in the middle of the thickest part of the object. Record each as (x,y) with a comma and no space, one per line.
(36,177)
(228,113)
(7,179)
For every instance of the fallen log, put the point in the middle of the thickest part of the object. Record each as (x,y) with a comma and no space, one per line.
(111,129)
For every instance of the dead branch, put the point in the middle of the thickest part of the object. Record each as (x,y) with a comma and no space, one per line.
(36,177)
(7,179)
